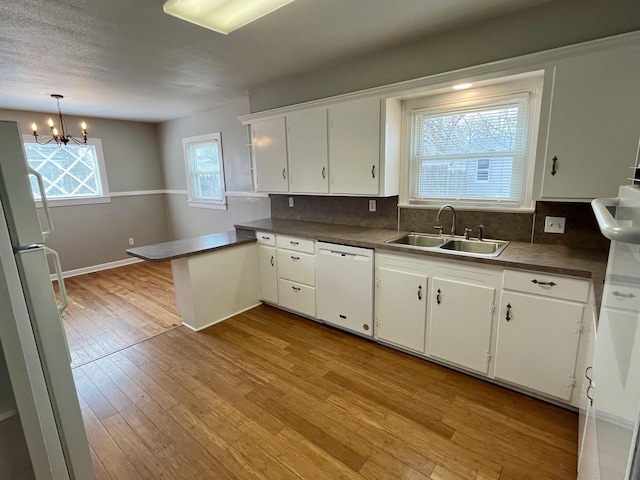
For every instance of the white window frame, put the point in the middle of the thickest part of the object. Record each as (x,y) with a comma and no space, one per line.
(489,90)
(104,197)
(192,199)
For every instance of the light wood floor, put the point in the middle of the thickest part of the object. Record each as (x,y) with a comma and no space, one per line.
(269,395)
(114,309)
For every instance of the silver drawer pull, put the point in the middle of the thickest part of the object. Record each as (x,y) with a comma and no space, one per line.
(294,258)
(294,243)
(264,237)
(623,295)
(296,289)
(544,284)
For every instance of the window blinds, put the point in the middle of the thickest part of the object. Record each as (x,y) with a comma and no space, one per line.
(474,153)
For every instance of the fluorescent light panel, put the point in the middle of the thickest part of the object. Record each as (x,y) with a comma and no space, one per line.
(222,16)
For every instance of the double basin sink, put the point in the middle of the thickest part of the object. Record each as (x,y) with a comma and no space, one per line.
(448,244)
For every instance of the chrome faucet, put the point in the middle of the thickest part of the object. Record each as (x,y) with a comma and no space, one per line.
(453,223)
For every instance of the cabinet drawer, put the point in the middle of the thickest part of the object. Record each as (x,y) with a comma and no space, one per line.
(294,243)
(297,297)
(266,238)
(297,267)
(555,286)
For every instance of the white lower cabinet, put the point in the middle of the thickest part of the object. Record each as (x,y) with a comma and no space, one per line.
(461,316)
(401,307)
(298,297)
(537,344)
(268,273)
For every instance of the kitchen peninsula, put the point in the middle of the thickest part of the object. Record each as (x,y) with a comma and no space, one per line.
(214,275)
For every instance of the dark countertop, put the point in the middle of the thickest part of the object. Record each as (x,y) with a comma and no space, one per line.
(163,252)
(558,259)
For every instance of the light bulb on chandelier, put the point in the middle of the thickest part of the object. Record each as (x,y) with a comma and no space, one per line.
(59,136)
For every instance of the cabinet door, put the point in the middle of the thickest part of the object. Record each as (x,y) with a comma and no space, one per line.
(268,273)
(270,155)
(537,343)
(593,129)
(355,147)
(308,152)
(401,308)
(460,323)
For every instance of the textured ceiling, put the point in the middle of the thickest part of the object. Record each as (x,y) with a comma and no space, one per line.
(126,59)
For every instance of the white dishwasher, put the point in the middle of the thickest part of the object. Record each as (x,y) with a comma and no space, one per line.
(344,287)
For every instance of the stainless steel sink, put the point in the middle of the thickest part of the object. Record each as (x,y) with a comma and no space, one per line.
(453,245)
(419,240)
(486,247)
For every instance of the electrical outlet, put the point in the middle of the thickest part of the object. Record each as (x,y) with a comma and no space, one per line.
(554,224)
(372,205)
(132,241)
(291,202)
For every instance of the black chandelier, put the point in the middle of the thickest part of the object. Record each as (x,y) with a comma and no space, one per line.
(59,136)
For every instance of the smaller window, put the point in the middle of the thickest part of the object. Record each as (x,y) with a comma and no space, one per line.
(72,174)
(205,171)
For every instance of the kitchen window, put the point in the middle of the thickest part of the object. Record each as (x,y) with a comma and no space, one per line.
(474,149)
(205,171)
(72,174)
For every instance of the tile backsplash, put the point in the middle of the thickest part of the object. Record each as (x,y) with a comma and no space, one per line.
(581,229)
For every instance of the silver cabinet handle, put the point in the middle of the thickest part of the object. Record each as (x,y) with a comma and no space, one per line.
(324,172)
(544,284)
(419,292)
(373,171)
(284,173)
(63,290)
(438,299)
(45,203)
(294,243)
(508,317)
(272,260)
(623,295)
(296,289)
(295,258)
(264,237)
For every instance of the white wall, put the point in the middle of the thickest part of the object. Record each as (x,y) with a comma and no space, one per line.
(186,221)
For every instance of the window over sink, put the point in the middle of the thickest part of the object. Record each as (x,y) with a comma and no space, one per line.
(473,148)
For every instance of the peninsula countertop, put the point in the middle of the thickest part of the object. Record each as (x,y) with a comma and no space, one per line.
(164,252)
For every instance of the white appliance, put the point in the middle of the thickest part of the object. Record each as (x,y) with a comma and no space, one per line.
(611,449)
(41,389)
(344,287)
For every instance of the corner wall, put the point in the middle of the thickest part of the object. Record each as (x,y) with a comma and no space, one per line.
(185,221)
(89,235)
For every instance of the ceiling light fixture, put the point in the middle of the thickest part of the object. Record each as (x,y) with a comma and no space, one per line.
(462,86)
(222,16)
(60,137)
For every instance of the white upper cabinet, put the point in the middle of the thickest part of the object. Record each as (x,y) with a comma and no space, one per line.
(308,151)
(269,142)
(355,147)
(593,125)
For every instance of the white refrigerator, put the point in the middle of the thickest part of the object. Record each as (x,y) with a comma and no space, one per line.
(610,447)
(40,390)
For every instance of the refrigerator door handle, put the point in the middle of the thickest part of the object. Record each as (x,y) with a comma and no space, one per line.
(58,267)
(45,203)
(608,225)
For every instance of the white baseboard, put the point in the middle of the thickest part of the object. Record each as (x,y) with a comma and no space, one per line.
(220,319)
(97,268)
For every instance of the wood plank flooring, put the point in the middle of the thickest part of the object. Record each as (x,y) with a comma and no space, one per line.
(269,395)
(114,309)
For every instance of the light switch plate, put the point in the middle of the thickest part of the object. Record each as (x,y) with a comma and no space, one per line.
(372,205)
(554,224)
(290,201)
